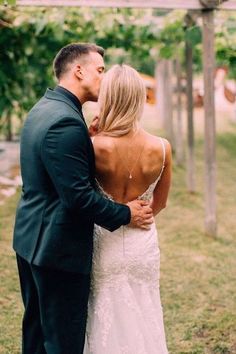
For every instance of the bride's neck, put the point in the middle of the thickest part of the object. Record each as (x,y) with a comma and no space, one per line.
(134,131)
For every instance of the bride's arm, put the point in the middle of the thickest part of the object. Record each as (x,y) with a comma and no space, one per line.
(161,191)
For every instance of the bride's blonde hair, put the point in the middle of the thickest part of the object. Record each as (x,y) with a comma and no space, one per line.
(121,100)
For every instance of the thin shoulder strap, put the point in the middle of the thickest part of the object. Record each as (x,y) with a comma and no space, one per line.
(164,153)
(164,158)
(92,138)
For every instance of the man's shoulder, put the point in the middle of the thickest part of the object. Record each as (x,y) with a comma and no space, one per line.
(49,114)
(50,109)
(55,104)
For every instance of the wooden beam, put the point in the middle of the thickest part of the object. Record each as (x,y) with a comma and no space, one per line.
(211,4)
(210,130)
(229,5)
(157,4)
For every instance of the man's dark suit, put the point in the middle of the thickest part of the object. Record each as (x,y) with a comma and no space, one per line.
(53,235)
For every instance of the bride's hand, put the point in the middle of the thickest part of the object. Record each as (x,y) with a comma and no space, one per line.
(141,214)
(93,128)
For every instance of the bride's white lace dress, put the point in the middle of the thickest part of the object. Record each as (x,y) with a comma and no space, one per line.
(125,313)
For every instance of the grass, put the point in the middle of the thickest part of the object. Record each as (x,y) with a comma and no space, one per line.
(198,279)
(198,283)
(10,300)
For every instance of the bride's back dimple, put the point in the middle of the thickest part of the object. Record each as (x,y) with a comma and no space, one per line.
(119,158)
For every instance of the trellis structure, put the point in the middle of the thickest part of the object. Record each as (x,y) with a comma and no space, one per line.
(156,4)
(207,8)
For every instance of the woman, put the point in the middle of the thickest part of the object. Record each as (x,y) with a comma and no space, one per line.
(125,313)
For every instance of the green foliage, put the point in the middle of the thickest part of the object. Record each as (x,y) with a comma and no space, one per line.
(31,37)
(193,35)
(226,45)
(27,49)
(29,44)
(171,40)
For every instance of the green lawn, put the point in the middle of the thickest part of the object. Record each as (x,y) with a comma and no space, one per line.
(10,300)
(198,278)
(198,283)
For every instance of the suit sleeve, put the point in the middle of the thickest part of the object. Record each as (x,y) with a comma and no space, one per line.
(64,152)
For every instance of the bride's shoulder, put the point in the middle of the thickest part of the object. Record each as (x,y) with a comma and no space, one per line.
(157,147)
(102,143)
(157,142)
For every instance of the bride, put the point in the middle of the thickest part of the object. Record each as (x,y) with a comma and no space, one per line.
(125,314)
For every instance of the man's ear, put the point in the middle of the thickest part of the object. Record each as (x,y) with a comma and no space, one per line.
(78,72)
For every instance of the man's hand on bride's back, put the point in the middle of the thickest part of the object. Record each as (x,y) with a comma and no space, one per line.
(141,214)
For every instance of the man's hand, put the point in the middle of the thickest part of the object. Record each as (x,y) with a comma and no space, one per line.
(93,128)
(141,214)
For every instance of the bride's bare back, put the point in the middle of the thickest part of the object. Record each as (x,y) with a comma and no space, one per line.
(137,155)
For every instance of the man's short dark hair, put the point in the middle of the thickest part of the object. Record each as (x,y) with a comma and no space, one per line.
(70,53)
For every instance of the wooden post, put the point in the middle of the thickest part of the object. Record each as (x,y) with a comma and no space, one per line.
(179,125)
(160,96)
(169,103)
(234,112)
(165,97)
(209,107)
(189,87)
(8,126)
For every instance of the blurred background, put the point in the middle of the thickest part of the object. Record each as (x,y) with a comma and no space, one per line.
(198,272)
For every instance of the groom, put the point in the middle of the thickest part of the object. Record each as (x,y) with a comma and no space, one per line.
(53,236)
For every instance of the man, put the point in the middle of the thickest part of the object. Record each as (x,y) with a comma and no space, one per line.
(53,235)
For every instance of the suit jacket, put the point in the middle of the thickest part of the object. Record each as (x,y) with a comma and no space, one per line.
(59,202)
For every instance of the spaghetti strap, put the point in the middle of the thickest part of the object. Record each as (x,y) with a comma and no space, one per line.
(164,153)
(147,195)
(164,158)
